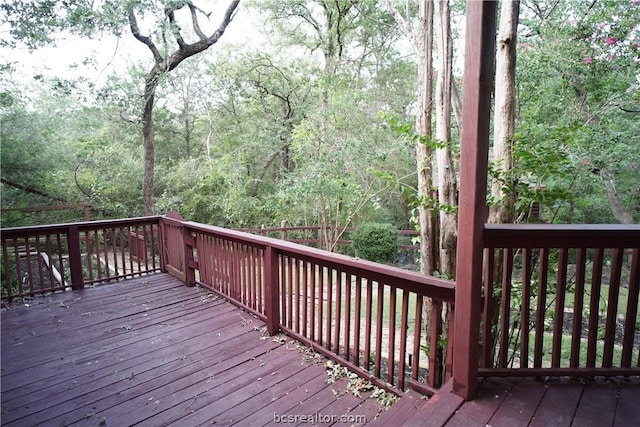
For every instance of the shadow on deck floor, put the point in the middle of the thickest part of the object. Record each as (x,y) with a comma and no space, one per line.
(149,351)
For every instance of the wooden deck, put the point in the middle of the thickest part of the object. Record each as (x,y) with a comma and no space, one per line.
(525,402)
(150,351)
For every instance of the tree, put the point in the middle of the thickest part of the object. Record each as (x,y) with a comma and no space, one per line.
(501,210)
(421,38)
(36,22)
(446,171)
(576,147)
(164,63)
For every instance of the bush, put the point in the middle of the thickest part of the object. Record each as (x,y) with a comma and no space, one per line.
(375,242)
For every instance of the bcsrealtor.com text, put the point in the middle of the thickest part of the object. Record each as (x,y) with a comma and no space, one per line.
(318,418)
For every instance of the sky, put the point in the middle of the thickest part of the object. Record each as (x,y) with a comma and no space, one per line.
(68,59)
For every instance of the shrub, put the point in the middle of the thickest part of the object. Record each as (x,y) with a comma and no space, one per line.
(375,242)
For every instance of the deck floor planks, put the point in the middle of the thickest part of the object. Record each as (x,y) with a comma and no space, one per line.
(152,351)
(287,381)
(289,402)
(597,406)
(402,410)
(135,401)
(480,410)
(558,405)
(519,405)
(129,362)
(628,409)
(246,396)
(63,327)
(141,403)
(98,387)
(82,361)
(218,389)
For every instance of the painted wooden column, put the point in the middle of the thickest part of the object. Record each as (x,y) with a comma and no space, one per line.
(476,112)
(272,290)
(75,257)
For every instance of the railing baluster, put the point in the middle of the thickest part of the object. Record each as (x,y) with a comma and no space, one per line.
(404,327)
(321,291)
(61,269)
(27,247)
(329,308)
(435,326)
(541,309)
(417,339)
(525,306)
(7,271)
(368,321)
(392,335)
(288,278)
(313,303)
(594,312)
(16,252)
(505,308)
(40,265)
(50,264)
(347,318)
(578,305)
(488,334)
(379,325)
(296,277)
(338,312)
(558,315)
(632,311)
(357,315)
(305,298)
(612,307)
(122,242)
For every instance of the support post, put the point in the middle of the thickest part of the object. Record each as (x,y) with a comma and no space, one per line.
(75,258)
(478,85)
(272,290)
(190,264)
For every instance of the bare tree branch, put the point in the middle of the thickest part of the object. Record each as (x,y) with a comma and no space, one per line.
(404,26)
(175,29)
(135,30)
(194,20)
(32,190)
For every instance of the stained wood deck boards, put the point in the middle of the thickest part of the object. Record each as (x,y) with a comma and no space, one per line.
(527,402)
(151,352)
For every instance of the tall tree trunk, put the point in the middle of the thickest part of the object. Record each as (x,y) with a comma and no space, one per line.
(422,42)
(502,209)
(424,151)
(148,141)
(164,64)
(447,180)
(447,184)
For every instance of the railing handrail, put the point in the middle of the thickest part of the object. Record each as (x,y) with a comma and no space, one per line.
(14,232)
(559,235)
(435,287)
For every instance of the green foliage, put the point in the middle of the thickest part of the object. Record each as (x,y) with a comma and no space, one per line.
(376,242)
(577,85)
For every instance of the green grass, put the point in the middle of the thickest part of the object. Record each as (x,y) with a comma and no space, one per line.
(565,353)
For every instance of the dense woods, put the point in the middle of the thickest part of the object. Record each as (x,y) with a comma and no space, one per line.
(317,120)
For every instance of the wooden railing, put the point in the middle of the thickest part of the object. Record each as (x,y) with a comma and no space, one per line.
(561,300)
(365,315)
(37,260)
(558,300)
